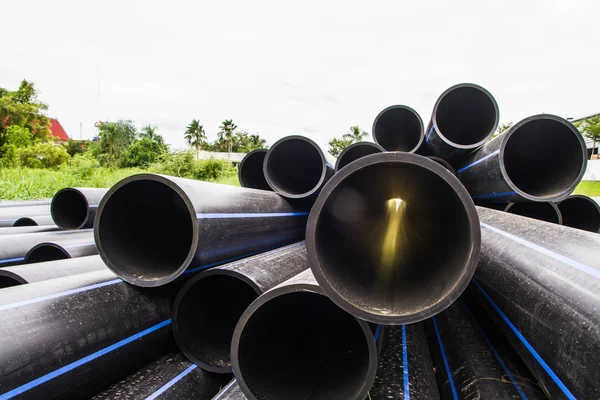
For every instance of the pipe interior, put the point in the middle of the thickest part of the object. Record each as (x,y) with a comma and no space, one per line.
(146,230)
(295,167)
(207,315)
(353,153)
(314,350)
(393,239)
(46,252)
(543,157)
(251,171)
(7,281)
(542,211)
(398,129)
(580,213)
(69,209)
(466,116)
(25,221)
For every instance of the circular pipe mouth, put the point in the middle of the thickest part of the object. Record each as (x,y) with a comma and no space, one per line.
(46,252)
(398,128)
(313,350)
(69,209)
(25,221)
(465,116)
(250,171)
(146,230)
(443,163)
(295,167)
(580,212)
(9,279)
(543,211)
(393,238)
(356,151)
(205,314)
(543,158)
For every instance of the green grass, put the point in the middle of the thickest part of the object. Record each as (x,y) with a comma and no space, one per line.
(588,188)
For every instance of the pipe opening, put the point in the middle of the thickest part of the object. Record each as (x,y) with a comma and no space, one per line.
(206,316)
(394,240)
(302,346)
(543,157)
(356,151)
(7,281)
(295,167)
(46,252)
(466,115)
(580,213)
(145,231)
(25,221)
(251,173)
(542,211)
(69,209)
(398,128)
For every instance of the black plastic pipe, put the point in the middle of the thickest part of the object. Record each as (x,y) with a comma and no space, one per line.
(44,252)
(150,229)
(18,230)
(393,238)
(443,163)
(9,215)
(42,220)
(75,208)
(464,117)
(231,391)
(398,128)
(22,274)
(541,158)
(540,282)
(356,151)
(169,377)
(405,368)
(72,337)
(544,211)
(296,167)
(24,203)
(250,171)
(580,212)
(294,343)
(14,248)
(202,327)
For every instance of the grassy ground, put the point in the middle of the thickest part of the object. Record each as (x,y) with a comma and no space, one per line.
(28,183)
(588,188)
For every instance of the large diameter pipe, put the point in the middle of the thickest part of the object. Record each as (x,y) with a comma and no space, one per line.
(405,369)
(296,167)
(18,230)
(169,377)
(75,208)
(14,248)
(398,128)
(580,212)
(72,337)
(42,220)
(9,215)
(541,158)
(393,238)
(150,229)
(544,211)
(250,171)
(540,282)
(356,151)
(202,327)
(294,343)
(24,203)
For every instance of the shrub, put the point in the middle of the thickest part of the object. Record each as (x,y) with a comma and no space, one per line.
(83,165)
(74,147)
(42,155)
(184,164)
(141,154)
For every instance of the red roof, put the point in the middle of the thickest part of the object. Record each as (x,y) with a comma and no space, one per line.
(57,130)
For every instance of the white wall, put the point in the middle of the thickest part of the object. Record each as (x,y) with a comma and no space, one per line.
(592,172)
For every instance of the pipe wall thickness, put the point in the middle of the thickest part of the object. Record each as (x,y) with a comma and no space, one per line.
(250,171)
(543,211)
(75,208)
(580,212)
(398,128)
(356,151)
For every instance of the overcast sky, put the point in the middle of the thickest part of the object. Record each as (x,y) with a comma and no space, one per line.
(313,67)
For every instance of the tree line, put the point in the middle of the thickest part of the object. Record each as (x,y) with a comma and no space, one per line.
(229,138)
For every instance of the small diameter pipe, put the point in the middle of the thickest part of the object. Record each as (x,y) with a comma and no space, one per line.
(356,151)
(18,230)
(464,117)
(74,336)
(24,203)
(444,164)
(43,252)
(202,327)
(398,128)
(250,171)
(150,229)
(541,158)
(294,343)
(169,377)
(75,208)
(43,220)
(9,215)
(231,391)
(544,211)
(296,167)
(393,238)
(540,283)
(580,212)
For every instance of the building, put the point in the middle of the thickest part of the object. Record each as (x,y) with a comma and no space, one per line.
(58,131)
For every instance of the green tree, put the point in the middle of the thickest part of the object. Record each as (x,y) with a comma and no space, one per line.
(75,147)
(149,132)
(226,133)
(195,135)
(355,134)
(42,155)
(22,108)
(141,154)
(336,146)
(590,128)
(115,138)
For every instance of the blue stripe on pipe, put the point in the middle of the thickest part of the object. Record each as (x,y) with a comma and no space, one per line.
(59,294)
(377,332)
(482,159)
(78,245)
(224,390)
(43,379)
(7,260)
(547,252)
(429,134)
(528,346)
(250,215)
(171,382)
(405,364)
(329,165)
(448,372)
(485,196)
(93,205)
(494,352)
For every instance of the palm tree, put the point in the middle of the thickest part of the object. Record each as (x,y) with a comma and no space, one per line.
(195,135)
(227,130)
(355,134)
(149,132)
(256,142)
